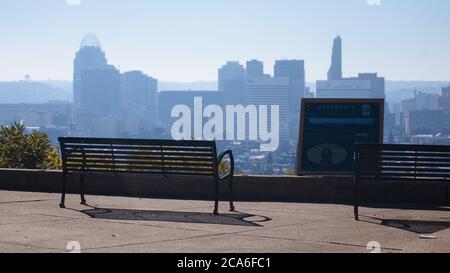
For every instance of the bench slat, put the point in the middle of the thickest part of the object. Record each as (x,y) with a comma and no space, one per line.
(118,141)
(402,161)
(140,147)
(145,172)
(405,153)
(405,174)
(133,153)
(403,164)
(137,163)
(404,179)
(141,159)
(400,171)
(390,147)
(365,159)
(209,172)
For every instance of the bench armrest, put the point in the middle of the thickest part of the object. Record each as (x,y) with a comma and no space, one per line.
(220,158)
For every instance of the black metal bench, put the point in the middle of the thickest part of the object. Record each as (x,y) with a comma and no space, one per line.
(149,157)
(407,163)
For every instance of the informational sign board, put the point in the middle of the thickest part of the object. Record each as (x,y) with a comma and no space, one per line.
(329,130)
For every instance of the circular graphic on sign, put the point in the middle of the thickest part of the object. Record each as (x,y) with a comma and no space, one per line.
(327,154)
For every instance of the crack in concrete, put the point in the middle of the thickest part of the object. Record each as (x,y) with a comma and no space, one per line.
(287,225)
(315,241)
(40,221)
(25,201)
(157,242)
(28,245)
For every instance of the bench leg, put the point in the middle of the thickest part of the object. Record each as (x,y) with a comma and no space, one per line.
(216,198)
(63,192)
(83,201)
(232,208)
(356,202)
(447,202)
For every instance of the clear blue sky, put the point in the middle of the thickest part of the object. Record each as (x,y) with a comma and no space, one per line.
(187,40)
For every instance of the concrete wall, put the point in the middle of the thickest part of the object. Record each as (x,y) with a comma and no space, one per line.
(247,188)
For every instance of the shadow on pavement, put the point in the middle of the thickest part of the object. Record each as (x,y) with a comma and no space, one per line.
(235,219)
(420,227)
(416,226)
(419,207)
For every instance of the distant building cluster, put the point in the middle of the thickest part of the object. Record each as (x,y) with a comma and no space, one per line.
(114,104)
(107,103)
(423,119)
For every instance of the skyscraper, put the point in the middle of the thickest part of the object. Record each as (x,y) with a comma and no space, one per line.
(335,72)
(444,100)
(96,88)
(100,91)
(270,91)
(139,102)
(138,90)
(255,69)
(90,55)
(294,70)
(231,82)
(366,85)
(100,98)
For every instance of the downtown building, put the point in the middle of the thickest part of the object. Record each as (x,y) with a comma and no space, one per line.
(269,91)
(426,114)
(294,70)
(365,86)
(138,103)
(231,79)
(106,102)
(251,86)
(444,100)
(96,91)
(100,102)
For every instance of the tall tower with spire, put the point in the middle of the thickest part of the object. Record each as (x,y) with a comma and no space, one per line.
(335,72)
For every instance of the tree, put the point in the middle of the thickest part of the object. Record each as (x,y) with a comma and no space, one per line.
(20,150)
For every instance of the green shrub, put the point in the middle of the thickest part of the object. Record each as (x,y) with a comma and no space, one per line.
(19,150)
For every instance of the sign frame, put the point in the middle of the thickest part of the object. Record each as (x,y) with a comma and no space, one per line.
(305,101)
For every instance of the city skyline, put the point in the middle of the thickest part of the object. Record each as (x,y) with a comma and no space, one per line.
(416,39)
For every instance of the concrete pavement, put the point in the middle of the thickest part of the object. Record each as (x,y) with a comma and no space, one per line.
(33,222)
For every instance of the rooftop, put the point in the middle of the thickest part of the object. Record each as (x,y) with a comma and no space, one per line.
(90,40)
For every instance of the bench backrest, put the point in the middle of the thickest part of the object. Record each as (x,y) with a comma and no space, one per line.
(421,163)
(139,156)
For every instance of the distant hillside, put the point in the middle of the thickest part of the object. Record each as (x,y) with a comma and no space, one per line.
(396,91)
(64,85)
(31,92)
(41,92)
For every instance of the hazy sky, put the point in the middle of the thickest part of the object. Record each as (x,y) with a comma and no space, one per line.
(187,40)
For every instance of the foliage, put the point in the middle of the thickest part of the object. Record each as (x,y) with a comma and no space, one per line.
(223,166)
(289,172)
(20,150)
